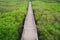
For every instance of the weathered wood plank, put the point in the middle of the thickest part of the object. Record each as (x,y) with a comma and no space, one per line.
(30,30)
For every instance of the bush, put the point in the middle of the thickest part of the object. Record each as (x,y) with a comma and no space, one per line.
(12,21)
(47,19)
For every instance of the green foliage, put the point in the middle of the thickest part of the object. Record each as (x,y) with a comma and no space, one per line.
(10,5)
(51,1)
(12,15)
(47,16)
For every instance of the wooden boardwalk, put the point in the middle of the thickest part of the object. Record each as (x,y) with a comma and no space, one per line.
(30,30)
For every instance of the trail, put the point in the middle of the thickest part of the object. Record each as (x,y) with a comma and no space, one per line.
(30,30)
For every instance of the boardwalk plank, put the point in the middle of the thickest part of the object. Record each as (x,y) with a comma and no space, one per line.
(29,31)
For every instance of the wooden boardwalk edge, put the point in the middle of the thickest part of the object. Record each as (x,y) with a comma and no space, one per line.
(30,30)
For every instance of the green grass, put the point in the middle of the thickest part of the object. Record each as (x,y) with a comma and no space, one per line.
(12,15)
(49,1)
(7,6)
(47,17)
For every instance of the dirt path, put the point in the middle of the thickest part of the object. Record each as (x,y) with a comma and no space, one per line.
(29,31)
